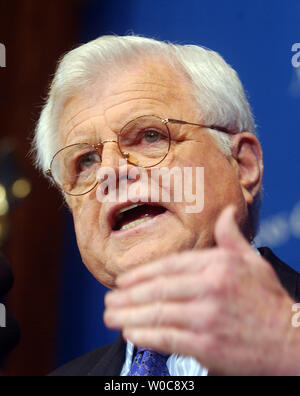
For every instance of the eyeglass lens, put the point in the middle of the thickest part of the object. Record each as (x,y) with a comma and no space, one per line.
(145,142)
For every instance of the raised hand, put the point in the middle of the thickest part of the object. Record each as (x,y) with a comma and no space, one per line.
(223,306)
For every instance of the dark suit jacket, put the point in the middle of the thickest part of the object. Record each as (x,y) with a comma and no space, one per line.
(108,360)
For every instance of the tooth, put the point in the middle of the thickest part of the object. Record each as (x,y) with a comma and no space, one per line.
(135,223)
(128,208)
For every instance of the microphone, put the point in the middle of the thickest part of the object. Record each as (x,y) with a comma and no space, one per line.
(9,328)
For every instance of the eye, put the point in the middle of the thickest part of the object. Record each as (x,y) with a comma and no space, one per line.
(86,161)
(152,136)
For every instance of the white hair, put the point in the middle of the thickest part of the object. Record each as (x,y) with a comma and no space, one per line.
(216,87)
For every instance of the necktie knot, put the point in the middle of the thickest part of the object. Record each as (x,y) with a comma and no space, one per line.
(149,363)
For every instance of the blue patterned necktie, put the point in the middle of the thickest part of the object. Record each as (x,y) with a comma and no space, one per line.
(149,363)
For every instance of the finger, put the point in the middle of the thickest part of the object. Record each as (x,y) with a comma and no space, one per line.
(228,234)
(169,288)
(191,261)
(167,340)
(154,315)
(180,315)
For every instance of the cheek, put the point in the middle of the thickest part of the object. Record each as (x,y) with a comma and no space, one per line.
(86,222)
(220,178)
(221,181)
(90,241)
(221,188)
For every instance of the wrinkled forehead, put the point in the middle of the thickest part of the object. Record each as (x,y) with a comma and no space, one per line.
(139,89)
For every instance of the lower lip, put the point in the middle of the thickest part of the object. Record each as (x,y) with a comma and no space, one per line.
(141,226)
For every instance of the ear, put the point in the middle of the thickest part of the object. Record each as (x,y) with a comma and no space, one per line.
(247,155)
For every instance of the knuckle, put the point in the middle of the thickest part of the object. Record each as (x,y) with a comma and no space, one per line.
(159,289)
(159,314)
(168,263)
(173,262)
(211,319)
(225,272)
(156,289)
(221,283)
(227,257)
(209,345)
(166,340)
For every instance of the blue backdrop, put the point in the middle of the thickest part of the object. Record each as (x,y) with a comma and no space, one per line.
(256,38)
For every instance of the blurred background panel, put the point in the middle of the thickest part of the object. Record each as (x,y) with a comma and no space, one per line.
(57,302)
(35,35)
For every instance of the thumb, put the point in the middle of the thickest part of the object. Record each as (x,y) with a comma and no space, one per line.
(227,232)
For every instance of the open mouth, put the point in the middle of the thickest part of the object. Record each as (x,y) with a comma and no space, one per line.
(133,215)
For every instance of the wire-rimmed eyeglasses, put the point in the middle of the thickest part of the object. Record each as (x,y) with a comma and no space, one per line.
(144,142)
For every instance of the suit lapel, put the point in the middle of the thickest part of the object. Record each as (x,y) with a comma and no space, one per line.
(111,362)
(289,278)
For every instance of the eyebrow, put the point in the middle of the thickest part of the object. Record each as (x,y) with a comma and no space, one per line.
(81,135)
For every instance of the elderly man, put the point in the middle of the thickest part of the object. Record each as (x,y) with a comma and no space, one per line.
(190,292)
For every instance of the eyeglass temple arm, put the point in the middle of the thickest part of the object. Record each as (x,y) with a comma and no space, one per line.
(215,127)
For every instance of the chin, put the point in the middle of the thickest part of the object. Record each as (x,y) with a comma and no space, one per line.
(134,258)
(143,253)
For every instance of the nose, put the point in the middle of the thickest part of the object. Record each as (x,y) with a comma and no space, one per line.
(110,155)
(114,168)
(112,160)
